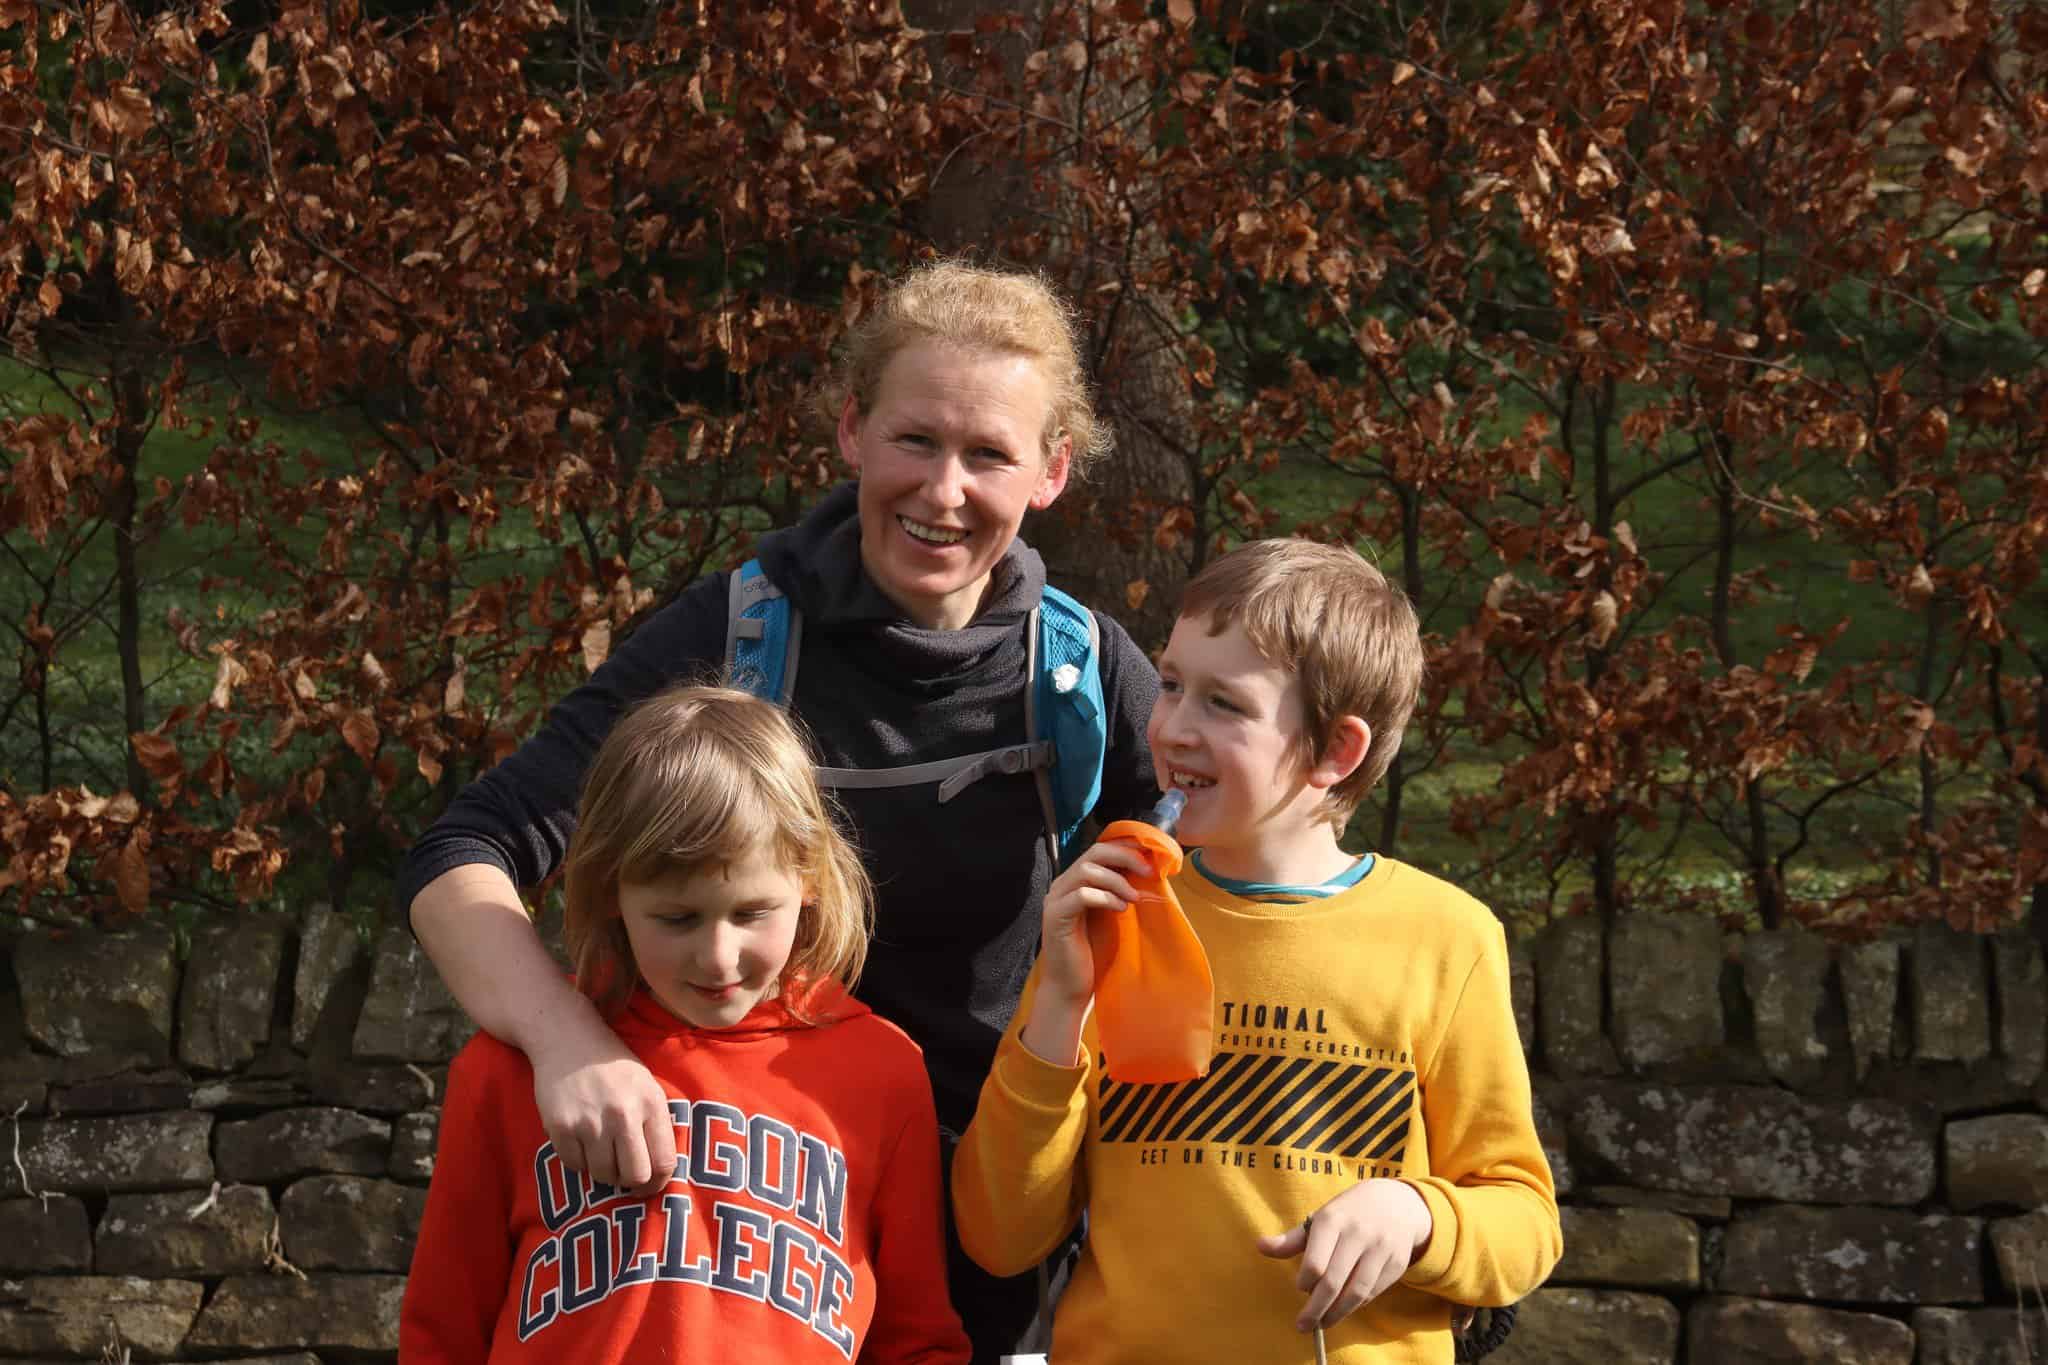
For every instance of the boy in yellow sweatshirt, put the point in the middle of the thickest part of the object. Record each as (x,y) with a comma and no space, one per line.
(1360,1155)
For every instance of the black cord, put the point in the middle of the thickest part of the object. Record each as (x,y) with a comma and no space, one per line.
(1478,1342)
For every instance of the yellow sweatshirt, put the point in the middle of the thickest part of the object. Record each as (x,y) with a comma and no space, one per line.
(1368,1034)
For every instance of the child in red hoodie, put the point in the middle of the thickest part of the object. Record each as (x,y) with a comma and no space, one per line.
(714,909)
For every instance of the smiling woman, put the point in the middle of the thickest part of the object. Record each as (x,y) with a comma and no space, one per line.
(961,404)
(950,458)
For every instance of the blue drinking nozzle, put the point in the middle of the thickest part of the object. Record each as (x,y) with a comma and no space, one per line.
(1166,814)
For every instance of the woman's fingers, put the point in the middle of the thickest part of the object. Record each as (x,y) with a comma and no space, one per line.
(658,1131)
(608,1118)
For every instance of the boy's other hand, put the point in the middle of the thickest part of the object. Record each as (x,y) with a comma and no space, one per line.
(605,1113)
(1353,1248)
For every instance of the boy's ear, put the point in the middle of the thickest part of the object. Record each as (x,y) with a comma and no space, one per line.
(1342,755)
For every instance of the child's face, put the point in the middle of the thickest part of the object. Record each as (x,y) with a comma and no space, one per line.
(1227,730)
(711,944)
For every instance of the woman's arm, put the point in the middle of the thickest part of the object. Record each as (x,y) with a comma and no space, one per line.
(602,1109)
(605,1114)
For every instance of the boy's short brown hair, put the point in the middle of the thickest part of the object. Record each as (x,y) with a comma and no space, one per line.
(1338,625)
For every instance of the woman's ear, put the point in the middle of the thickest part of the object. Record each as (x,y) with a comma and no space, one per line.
(1349,741)
(1053,480)
(849,432)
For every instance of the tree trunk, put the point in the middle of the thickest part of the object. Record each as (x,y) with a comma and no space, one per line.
(131,392)
(1100,540)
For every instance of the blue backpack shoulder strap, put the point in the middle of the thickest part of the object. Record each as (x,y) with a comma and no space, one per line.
(1063,704)
(763,632)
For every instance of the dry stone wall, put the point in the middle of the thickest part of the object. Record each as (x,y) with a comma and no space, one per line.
(216,1155)
(1767,1148)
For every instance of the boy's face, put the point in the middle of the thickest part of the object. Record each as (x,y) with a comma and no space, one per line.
(1227,730)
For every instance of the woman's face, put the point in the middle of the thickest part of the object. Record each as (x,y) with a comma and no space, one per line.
(950,457)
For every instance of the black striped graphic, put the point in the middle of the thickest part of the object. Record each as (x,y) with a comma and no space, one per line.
(1255,1099)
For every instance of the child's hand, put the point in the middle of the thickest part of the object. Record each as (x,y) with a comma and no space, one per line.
(1354,1248)
(1099,879)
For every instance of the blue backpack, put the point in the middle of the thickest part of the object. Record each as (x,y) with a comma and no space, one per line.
(1066,732)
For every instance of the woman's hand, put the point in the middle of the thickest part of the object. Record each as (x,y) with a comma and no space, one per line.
(1354,1248)
(600,1107)
(1100,879)
(605,1112)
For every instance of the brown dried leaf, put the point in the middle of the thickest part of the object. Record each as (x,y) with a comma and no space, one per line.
(228,674)
(452,695)
(130,873)
(359,731)
(597,644)
(1601,618)
(158,756)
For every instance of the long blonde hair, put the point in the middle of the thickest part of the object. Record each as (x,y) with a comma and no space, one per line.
(696,778)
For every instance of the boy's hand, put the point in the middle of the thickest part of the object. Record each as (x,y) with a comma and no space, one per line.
(605,1113)
(1100,879)
(1354,1248)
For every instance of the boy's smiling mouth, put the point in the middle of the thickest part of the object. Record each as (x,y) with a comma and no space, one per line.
(1188,781)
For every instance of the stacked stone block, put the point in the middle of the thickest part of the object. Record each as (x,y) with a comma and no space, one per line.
(220,1156)
(1768,1148)
(1785,1150)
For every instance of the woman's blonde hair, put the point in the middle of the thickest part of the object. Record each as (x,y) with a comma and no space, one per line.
(696,778)
(975,308)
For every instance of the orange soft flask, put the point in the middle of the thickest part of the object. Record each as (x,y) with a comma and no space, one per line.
(1155,1002)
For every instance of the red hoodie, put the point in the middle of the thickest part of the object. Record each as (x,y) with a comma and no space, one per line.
(802,1222)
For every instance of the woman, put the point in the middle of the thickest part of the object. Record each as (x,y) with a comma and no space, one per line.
(961,406)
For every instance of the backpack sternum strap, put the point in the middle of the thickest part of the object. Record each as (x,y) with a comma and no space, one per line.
(1065,718)
(953,775)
